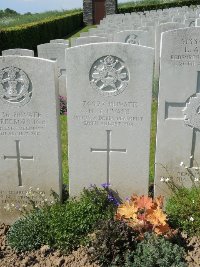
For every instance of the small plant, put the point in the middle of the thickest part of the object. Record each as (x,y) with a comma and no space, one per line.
(156,251)
(62,226)
(183,210)
(144,214)
(63,105)
(183,205)
(111,242)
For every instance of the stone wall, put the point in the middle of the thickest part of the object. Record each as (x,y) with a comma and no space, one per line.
(110,6)
(88,12)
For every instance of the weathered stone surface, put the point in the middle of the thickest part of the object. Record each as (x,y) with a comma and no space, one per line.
(159,30)
(90,40)
(178,136)
(18,52)
(29,131)
(144,38)
(56,52)
(60,41)
(109,116)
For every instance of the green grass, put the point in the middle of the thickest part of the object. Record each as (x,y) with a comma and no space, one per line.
(64,148)
(12,21)
(77,33)
(153,139)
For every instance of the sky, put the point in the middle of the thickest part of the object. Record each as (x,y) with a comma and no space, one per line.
(33,6)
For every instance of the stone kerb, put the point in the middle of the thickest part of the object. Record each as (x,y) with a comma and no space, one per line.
(109,116)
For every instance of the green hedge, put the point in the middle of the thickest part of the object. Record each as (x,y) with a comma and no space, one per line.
(154,6)
(30,35)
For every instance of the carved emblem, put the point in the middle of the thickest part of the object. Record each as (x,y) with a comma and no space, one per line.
(109,76)
(192,112)
(132,39)
(15,86)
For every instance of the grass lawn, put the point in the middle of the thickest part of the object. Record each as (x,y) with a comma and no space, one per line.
(77,32)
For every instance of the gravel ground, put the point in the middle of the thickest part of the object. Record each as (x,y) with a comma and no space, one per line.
(47,257)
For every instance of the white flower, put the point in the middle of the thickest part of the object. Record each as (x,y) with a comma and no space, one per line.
(181,164)
(38,189)
(46,200)
(196,179)
(191,157)
(52,202)
(193,201)
(12,204)
(162,179)
(167,180)
(191,219)
(7,207)
(186,167)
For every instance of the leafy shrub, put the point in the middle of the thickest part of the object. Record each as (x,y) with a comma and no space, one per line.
(141,6)
(183,210)
(144,214)
(63,105)
(32,34)
(156,251)
(63,226)
(29,233)
(111,242)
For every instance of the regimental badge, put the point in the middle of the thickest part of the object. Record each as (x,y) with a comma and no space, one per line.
(109,76)
(15,86)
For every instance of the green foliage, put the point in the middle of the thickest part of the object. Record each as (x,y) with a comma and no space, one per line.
(62,226)
(183,210)
(156,251)
(30,35)
(64,148)
(29,233)
(146,5)
(112,241)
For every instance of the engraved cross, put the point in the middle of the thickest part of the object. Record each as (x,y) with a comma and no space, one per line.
(108,150)
(174,111)
(19,158)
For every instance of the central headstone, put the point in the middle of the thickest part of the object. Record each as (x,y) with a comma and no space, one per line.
(29,115)
(109,114)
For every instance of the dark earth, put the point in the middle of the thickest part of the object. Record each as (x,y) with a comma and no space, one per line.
(47,257)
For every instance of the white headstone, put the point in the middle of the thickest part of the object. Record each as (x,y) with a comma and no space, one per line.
(144,38)
(159,30)
(90,39)
(56,52)
(29,130)
(109,116)
(18,52)
(60,41)
(178,135)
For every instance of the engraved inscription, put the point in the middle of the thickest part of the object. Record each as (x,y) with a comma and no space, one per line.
(19,123)
(109,76)
(109,113)
(15,86)
(19,157)
(108,150)
(132,39)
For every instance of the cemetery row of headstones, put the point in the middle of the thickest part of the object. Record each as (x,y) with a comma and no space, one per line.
(109,91)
